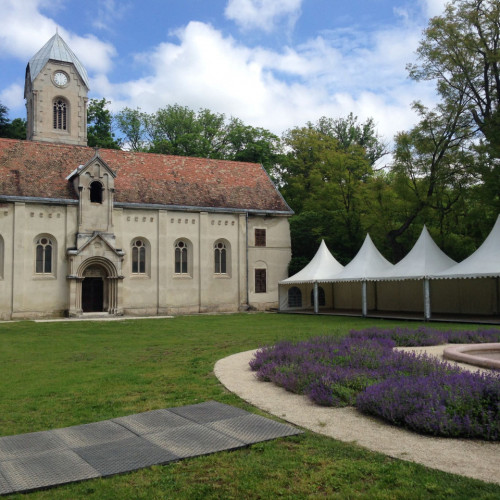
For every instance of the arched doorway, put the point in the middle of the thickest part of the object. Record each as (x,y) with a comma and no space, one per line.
(94,296)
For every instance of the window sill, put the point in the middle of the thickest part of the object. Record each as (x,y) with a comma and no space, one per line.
(140,276)
(183,277)
(222,276)
(42,277)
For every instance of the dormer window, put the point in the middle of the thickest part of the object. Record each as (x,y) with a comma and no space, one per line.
(60,109)
(95,192)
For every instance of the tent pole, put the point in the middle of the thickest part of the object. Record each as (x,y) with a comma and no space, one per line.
(316,308)
(427,300)
(498,295)
(364,302)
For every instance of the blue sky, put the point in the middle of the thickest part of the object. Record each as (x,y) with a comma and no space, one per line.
(273,63)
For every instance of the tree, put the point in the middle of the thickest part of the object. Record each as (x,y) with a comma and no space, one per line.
(348,131)
(4,119)
(460,49)
(178,130)
(132,124)
(12,130)
(432,169)
(325,179)
(253,144)
(17,129)
(99,125)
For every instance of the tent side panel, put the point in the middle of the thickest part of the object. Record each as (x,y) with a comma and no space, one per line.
(401,296)
(388,296)
(347,296)
(465,296)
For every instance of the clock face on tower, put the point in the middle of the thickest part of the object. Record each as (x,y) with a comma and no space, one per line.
(60,78)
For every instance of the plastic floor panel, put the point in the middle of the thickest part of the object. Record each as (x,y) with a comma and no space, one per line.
(50,458)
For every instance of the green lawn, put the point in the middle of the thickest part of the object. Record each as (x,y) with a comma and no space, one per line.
(68,373)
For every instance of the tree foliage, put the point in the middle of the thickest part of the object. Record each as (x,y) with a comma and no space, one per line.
(15,129)
(325,181)
(99,125)
(179,130)
(460,50)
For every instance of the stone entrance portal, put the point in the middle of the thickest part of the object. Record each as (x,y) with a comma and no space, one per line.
(93,290)
(95,287)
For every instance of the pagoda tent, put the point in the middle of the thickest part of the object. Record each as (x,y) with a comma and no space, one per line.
(405,287)
(471,287)
(299,291)
(353,288)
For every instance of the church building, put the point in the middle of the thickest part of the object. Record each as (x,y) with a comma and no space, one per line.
(86,231)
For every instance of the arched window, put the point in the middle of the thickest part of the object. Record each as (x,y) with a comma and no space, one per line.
(321,296)
(44,251)
(181,257)
(139,256)
(220,257)
(96,192)
(60,111)
(294,297)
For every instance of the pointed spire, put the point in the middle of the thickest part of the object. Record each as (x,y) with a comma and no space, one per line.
(57,50)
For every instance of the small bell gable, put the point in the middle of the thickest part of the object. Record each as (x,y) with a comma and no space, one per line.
(95,184)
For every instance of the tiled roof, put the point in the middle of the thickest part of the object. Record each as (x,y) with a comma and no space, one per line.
(39,170)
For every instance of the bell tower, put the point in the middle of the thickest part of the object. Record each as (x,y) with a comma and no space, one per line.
(55,89)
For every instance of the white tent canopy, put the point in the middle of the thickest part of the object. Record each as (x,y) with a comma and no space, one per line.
(483,263)
(322,267)
(423,260)
(368,263)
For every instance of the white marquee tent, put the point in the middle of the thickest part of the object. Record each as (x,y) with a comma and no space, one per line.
(425,280)
(400,288)
(322,268)
(367,264)
(473,285)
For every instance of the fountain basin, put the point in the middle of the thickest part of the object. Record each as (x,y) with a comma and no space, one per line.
(484,355)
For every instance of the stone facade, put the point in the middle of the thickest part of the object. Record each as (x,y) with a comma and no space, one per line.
(86,231)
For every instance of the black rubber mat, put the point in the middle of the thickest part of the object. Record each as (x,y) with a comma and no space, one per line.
(50,458)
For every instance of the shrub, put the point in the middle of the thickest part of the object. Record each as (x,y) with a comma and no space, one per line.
(409,389)
(461,404)
(424,336)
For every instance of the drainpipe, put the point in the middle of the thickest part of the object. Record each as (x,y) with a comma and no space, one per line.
(248,271)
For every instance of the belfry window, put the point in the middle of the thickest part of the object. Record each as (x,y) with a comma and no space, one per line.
(59,113)
(95,192)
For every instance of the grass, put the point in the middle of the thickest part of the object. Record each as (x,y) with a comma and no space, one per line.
(61,374)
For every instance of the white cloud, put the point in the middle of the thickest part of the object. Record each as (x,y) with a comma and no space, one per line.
(108,12)
(329,76)
(12,95)
(433,7)
(24,30)
(262,14)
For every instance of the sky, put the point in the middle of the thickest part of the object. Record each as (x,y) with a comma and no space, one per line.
(275,64)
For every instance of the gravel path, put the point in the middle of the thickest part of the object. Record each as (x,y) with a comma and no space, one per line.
(471,458)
